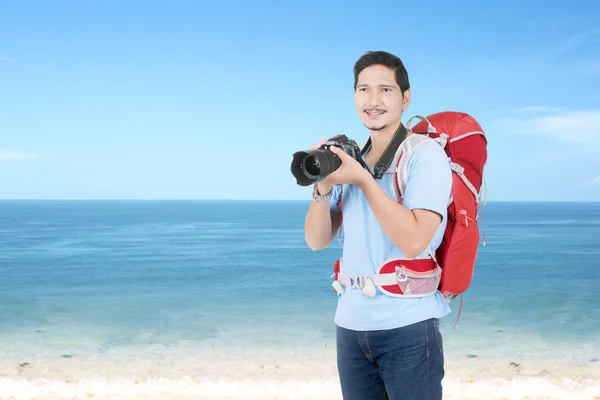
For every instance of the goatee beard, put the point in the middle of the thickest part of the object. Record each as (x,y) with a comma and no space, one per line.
(376,129)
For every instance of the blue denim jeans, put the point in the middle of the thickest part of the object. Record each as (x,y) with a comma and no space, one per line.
(399,364)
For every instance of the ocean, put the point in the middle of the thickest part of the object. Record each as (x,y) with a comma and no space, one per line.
(223,299)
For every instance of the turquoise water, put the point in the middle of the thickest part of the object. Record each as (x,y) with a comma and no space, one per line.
(88,277)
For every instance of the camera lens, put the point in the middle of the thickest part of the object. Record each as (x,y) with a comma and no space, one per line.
(312,167)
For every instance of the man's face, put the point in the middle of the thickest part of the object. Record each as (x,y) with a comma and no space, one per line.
(378,98)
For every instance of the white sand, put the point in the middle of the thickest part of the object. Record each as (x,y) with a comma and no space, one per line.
(268,374)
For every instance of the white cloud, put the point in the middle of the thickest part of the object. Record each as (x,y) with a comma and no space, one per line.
(592,182)
(575,126)
(11,155)
(570,56)
(540,109)
(578,40)
(538,24)
(3,58)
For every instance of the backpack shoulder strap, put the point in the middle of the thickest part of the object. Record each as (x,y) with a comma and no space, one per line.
(401,160)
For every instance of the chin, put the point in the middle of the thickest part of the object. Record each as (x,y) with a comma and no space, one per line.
(377,127)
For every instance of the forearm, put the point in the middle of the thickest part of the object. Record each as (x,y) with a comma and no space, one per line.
(321,225)
(398,222)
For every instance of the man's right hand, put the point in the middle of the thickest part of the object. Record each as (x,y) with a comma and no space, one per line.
(321,224)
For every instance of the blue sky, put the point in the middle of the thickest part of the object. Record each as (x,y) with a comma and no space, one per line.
(209,100)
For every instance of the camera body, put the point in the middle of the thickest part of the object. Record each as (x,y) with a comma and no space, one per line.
(310,167)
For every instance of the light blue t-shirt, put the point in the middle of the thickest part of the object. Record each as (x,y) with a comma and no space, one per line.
(366,246)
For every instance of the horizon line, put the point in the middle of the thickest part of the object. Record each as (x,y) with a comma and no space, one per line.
(257,200)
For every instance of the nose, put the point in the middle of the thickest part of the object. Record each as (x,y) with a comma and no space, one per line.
(374,99)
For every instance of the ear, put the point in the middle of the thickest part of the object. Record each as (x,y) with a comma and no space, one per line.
(406,100)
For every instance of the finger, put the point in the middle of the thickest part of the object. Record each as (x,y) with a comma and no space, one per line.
(316,146)
(339,152)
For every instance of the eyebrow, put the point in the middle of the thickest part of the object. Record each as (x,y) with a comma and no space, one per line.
(384,85)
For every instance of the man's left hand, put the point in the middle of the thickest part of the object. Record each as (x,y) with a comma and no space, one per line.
(350,171)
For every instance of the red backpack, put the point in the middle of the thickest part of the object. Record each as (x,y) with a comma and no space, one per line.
(465,143)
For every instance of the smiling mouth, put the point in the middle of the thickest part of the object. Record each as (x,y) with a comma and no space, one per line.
(374,113)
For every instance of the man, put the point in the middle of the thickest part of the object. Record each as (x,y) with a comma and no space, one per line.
(386,346)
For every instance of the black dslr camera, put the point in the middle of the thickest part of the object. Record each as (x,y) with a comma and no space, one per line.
(312,166)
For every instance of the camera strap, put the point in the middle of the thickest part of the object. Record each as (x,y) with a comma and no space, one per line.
(388,155)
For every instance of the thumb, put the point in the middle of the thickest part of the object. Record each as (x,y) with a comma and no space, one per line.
(337,151)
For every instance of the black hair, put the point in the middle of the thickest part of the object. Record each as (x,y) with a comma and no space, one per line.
(386,59)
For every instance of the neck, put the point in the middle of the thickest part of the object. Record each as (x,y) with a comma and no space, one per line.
(381,139)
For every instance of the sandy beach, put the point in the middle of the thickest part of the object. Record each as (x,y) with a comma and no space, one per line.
(213,374)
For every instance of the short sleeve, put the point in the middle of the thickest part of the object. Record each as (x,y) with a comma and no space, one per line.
(429,179)
(334,200)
